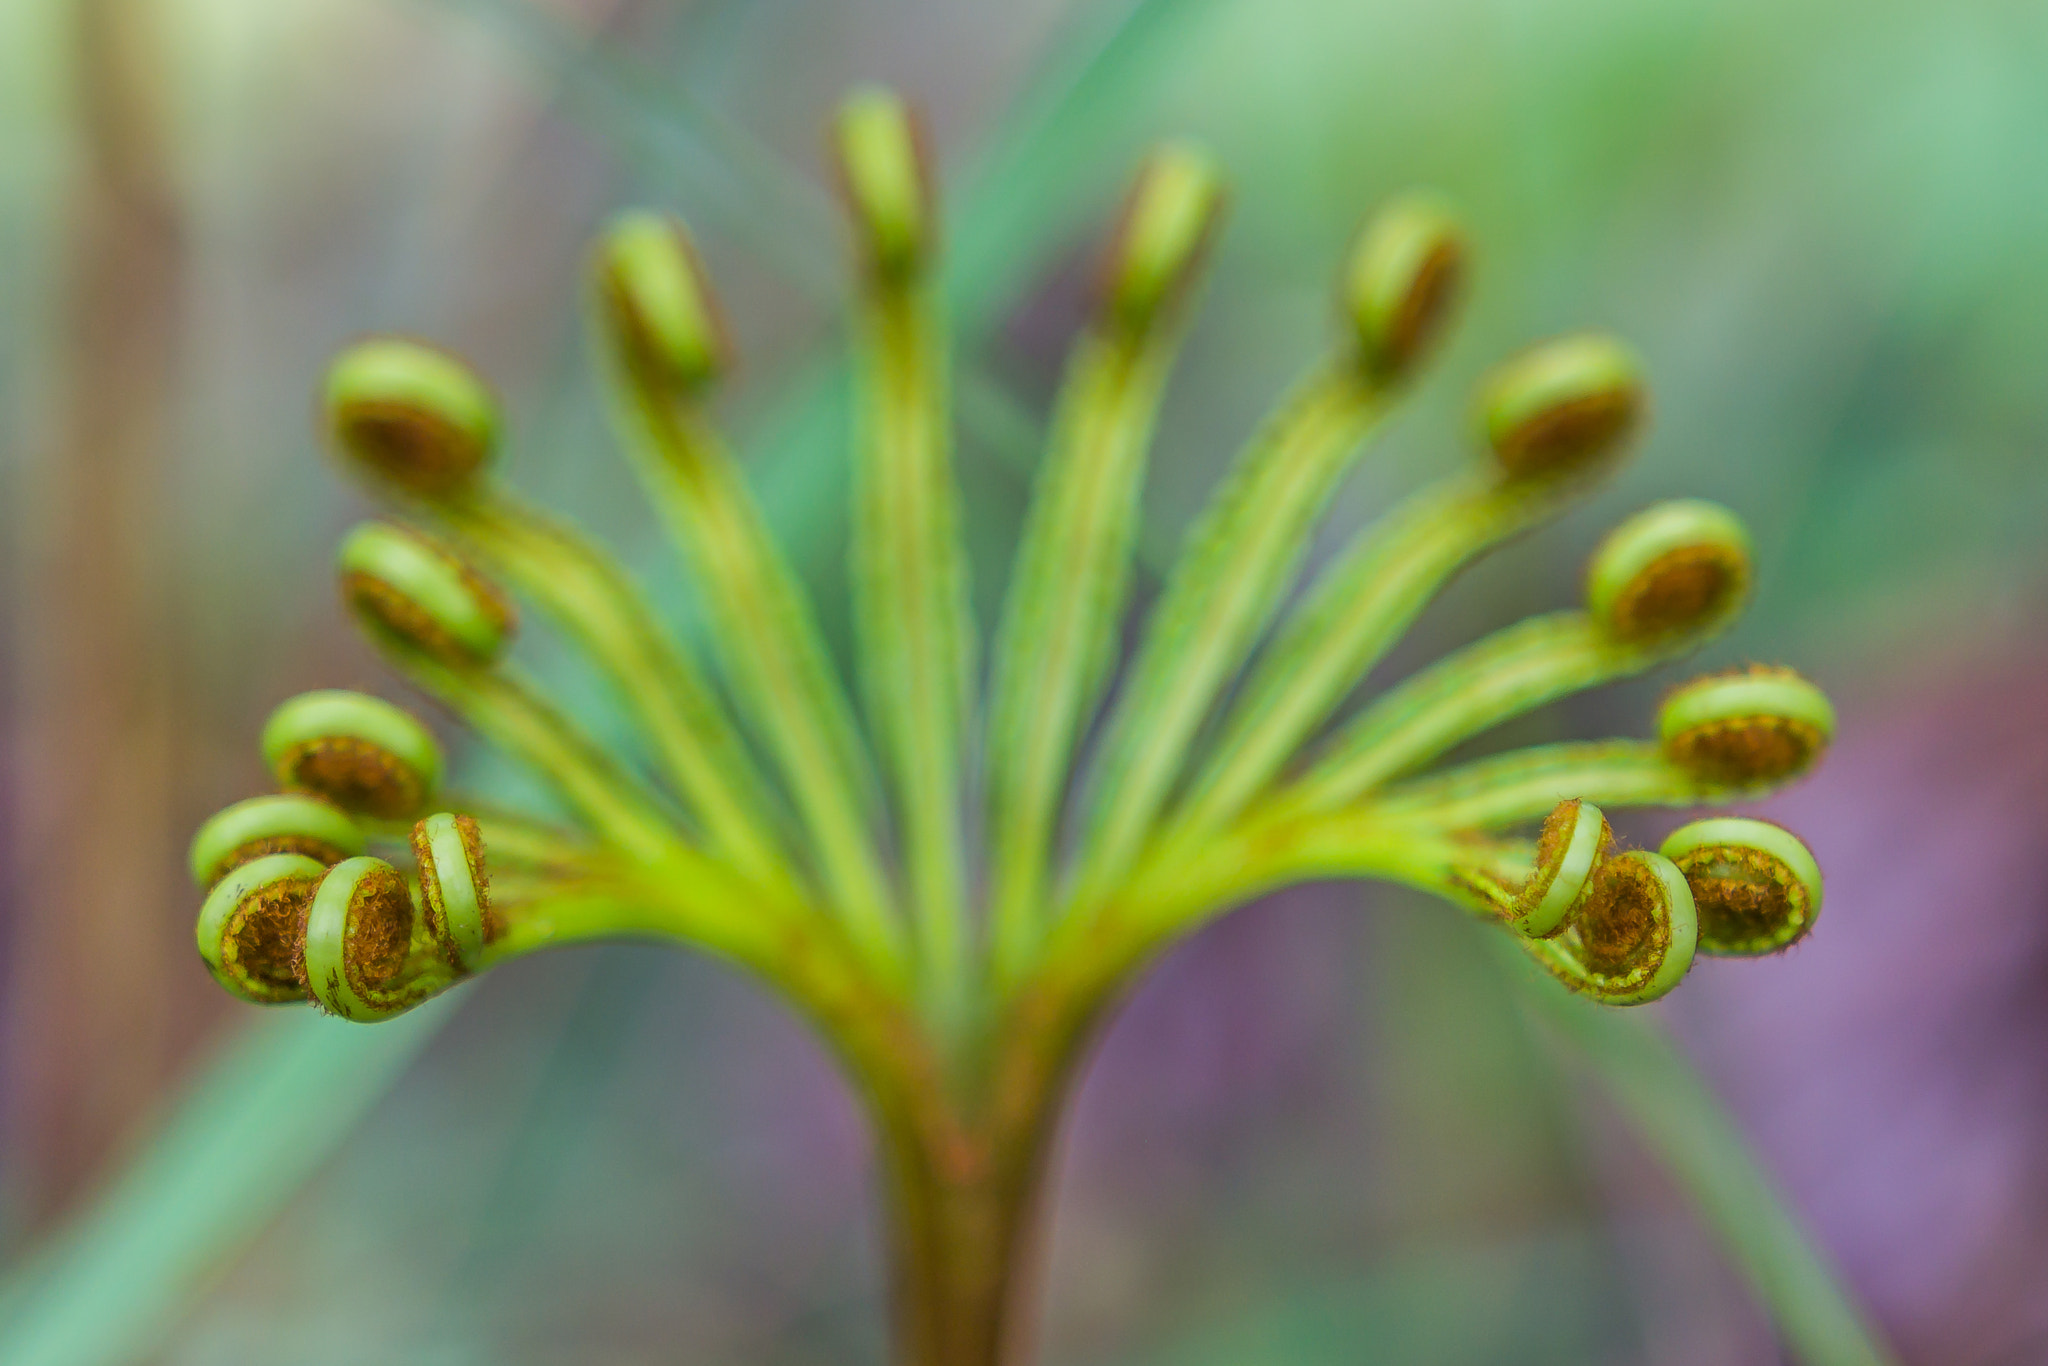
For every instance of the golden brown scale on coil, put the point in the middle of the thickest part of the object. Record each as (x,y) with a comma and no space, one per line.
(1678,590)
(1558,437)
(265,936)
(356,775)
(411,446)
(479,876)
(316,849)
(1424,308)
(1745,899)
(1619,930)
(400,615)
(1747,751)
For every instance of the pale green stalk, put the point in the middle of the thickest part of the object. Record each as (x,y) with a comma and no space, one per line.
(1064,610)
(1357,610)
(1522,785)
(1223,591)
(768,642)
(509,710)
(588,596)
(911,613)
(1511,672)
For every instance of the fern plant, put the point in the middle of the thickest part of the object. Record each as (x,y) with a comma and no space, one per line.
(936,867)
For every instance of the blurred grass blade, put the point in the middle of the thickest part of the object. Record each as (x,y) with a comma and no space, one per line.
(1040,169)
(733,183)
(1683,1123)
(268,1112)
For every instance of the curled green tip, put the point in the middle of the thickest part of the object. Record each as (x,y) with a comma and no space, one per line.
(357,751)
(278,823)
(1635,936)
(655,304)
(1575,839)
(454,885)
(882,163)
(1756,884)
(1402,280)
(248,928)
(411,414)
(1749,728)
(412,589)
(1562,406)
(1168,221)
(358,942)
(1680,568)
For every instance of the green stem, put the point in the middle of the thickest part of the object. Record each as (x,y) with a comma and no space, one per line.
(510,711)
(1357,610)
(771,649)
(1511,672)
(1523,785)
(909,580)
(1064,610)
(1224,589)
(594,601)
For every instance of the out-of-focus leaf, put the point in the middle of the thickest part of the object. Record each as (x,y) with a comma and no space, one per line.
(262,1118)
(1529,1301)
(1686,1127)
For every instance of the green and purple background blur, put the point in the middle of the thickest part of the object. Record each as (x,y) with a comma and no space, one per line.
(1323,1132)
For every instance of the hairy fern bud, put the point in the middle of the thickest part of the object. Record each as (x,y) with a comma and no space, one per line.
(1169,220)
(1563,406)
(1574,841)
(1755,884)
(655,308)
(1678,569)
(454,886)
(1634,935)
(411,415)
(249,926)
(357,949)
(1402,282)
(357,751)
(884,168)
(414,590)
(279,823)
(1753,727)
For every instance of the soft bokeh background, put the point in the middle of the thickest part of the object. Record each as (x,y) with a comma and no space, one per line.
(1321,1132)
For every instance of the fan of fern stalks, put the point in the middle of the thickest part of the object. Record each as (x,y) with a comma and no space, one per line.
(954,867)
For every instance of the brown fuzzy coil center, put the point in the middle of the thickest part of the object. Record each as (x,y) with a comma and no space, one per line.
(1678,590)
(318,850)
(378,936)
(356,776)
(1423,309)
(1745,750)
(412,447)
(264,935)
(1561,435)
(1748,902)
(1621,932)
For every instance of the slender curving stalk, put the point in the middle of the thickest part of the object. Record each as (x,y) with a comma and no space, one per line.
(850,885)
(908,569)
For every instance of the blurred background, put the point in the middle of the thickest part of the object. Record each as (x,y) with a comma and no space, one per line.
(1322,1131)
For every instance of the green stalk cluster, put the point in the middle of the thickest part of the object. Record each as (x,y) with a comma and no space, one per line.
(931,861)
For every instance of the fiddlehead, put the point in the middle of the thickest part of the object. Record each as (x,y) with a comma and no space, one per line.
(1756,885)
(280,823)
(359,752)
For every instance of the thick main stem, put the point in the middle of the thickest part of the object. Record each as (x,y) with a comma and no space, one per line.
(961,1238)
(966,1201)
